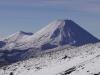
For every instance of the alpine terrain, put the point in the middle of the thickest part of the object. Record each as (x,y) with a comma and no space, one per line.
(60,48)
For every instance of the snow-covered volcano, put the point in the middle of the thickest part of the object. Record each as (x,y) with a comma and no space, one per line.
(56,36)
(58,33)
(57,61)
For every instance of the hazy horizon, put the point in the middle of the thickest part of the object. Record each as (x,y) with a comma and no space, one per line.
(32,15)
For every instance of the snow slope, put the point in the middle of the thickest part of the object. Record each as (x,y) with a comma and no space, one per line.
(60,48)
(82,60)
(15,39)
(8,51)
(57,33)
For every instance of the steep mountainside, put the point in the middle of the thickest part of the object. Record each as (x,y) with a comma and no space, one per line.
(60,48)
(55,36)
(57,33)
(14,40)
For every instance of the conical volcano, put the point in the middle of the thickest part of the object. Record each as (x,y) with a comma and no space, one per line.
(57,33)
(73,34)
(61,32)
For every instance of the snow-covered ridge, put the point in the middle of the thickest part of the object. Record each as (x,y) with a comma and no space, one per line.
(59,33)
(17,36)
(60,48)
(83,60)
(15,39)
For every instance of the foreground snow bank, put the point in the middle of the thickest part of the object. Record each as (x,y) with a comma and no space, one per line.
(84,60)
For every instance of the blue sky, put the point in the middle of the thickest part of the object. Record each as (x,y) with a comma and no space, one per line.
(32,15)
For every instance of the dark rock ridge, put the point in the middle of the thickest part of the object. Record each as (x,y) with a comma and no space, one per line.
(26,33)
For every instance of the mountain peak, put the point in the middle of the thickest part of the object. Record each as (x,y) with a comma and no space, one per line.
(61,23)
(17,36)
(57,33)
(61,32)
(71,33)
(68,32)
